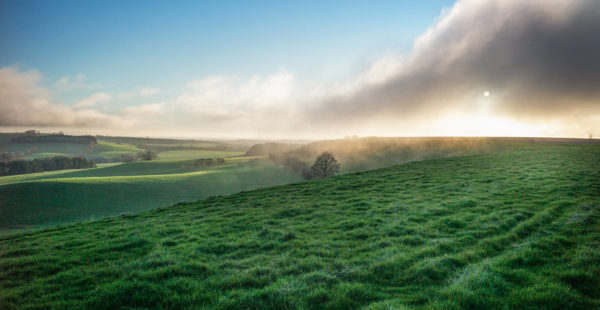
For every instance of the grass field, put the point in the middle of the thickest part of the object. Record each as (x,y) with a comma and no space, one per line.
(518,229)
(55,197)
(192,154)
(113,150)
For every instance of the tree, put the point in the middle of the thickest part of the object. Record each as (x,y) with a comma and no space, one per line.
(127,158)
(147,155)
(325,165)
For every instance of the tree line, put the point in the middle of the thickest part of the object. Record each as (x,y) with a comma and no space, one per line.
(21,166)
(32,136)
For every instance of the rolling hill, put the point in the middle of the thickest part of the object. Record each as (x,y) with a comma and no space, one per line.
(517,229)
(66,196)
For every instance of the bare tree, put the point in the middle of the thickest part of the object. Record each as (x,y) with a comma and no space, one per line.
(325,165)
(147,155)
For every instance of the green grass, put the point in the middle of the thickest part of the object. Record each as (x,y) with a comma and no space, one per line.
(111,150)
(44,155)
(55,197)
(195,154)
(175,143)
(518,229)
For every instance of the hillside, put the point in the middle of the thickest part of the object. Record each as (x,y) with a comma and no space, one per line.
(110,149)
(515,229)
(67,196)
(360,154)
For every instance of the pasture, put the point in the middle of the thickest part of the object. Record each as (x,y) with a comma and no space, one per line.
(514,229)
(55,197)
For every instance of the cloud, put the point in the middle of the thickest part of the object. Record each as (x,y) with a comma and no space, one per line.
(538,58)
(233,97)
(93,100)
(151,109)
(23,102)
(138,93)
(147,91)
(70,82)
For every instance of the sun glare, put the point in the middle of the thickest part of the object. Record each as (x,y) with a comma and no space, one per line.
(486,93)
(485,125)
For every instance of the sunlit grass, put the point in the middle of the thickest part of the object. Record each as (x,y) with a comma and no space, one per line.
(111,150)
(194,154)
(174,177)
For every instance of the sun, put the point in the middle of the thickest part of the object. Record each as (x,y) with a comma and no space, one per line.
(486,93)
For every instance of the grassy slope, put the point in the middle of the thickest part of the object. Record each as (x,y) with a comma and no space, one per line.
(518,229)
(67,196)
(194,154)
(109,150)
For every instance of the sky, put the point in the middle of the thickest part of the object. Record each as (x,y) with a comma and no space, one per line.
(301,69)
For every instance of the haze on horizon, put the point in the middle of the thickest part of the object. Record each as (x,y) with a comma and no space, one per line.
(301,70)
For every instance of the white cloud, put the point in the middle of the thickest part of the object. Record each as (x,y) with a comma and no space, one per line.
(93,100)
(138,93)
(147,91)
(150,109)
(70,82)
(23,102)
(230,96)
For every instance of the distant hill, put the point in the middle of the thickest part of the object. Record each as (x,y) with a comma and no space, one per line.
(269,148)
(35,145)
(53,138)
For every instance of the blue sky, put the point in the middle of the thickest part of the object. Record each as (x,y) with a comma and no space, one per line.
(301,69)
(125,44)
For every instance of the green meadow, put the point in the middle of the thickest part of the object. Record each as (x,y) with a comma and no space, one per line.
(108,149)
(191,154)
(112,148)
(514,229)
(55,197)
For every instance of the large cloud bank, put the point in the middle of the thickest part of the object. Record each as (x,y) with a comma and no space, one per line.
(539,58)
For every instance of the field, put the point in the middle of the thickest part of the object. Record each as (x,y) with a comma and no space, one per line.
(65,196)
(190,154)
(514,229)
(111,148)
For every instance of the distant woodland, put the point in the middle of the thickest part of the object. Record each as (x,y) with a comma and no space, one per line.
(32,136)
(21,166)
